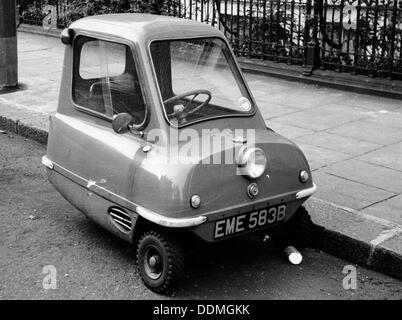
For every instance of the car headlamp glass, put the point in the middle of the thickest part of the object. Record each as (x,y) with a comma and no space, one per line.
(304,176)
(195,201)
(252,162)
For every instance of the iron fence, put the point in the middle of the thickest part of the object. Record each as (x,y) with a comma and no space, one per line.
(355,36)
(362,37)
(33,12)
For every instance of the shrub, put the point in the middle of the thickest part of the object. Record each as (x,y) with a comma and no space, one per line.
(76,9)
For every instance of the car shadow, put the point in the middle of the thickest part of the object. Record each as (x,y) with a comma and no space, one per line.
(240,268)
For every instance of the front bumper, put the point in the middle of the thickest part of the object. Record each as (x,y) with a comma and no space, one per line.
(292,197)
(292,200)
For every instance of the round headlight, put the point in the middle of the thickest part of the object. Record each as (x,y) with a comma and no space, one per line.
(304,176)
(252,162)
(195,201)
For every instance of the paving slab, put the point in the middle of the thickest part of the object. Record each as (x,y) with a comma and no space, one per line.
(270,110)
(368,174)
(287,131)
(389,156)
(35,83)
(260,87)
(390,209)
(31,99)
(40,54)
(29,68)
(14,111)
(319,157)
(324,117)
(372,102)
(338,143)
(386,118)
(369,131)
(304,99)
(346,192)
(32,47)
(268,85)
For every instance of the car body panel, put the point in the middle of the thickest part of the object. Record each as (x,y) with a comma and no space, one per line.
(95,168)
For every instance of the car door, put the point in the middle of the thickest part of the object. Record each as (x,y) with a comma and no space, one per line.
(81,140)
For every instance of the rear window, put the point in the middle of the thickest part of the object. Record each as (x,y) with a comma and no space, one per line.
(105,79)
(91,64)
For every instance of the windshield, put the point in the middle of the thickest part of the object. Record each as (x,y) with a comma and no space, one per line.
(198,79)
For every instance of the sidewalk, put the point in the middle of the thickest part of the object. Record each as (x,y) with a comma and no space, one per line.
(353,143)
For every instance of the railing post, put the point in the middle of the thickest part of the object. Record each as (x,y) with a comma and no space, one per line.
(8,44)
(313,46)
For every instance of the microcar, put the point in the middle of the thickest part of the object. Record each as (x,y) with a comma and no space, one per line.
(158,139)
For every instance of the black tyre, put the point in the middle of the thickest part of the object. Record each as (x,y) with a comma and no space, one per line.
(300,229)
(160,262)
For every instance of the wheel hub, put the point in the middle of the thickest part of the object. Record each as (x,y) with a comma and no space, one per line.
(154,261)
(153,264)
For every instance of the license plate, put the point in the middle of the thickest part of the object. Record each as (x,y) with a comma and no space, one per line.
(249,221)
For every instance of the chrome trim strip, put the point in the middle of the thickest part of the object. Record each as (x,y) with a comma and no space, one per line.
(306,192)
(170,222)
(47,162)
(122,219)
(123,225)
(145,213)
(115,209)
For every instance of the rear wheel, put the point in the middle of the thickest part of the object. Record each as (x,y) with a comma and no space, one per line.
(160,261)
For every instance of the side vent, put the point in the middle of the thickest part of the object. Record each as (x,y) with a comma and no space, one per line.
(120,218)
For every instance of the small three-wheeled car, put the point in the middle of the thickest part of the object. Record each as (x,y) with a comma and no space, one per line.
(158,139)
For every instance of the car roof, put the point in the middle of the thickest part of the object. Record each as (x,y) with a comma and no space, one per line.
(144,27)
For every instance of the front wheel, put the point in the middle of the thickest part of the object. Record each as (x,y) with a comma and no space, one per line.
(160,261)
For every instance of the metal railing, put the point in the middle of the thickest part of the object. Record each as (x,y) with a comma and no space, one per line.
(33,12)
(354,36)
(363,37)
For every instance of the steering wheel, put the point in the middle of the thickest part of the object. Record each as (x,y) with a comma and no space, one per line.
(193,93)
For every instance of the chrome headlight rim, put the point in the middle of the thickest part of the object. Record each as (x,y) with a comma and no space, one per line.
(245,166)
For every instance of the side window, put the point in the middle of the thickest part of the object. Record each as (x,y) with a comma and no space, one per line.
(105,79)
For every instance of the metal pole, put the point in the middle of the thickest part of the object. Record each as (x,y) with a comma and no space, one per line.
(313,46)
(8,44)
